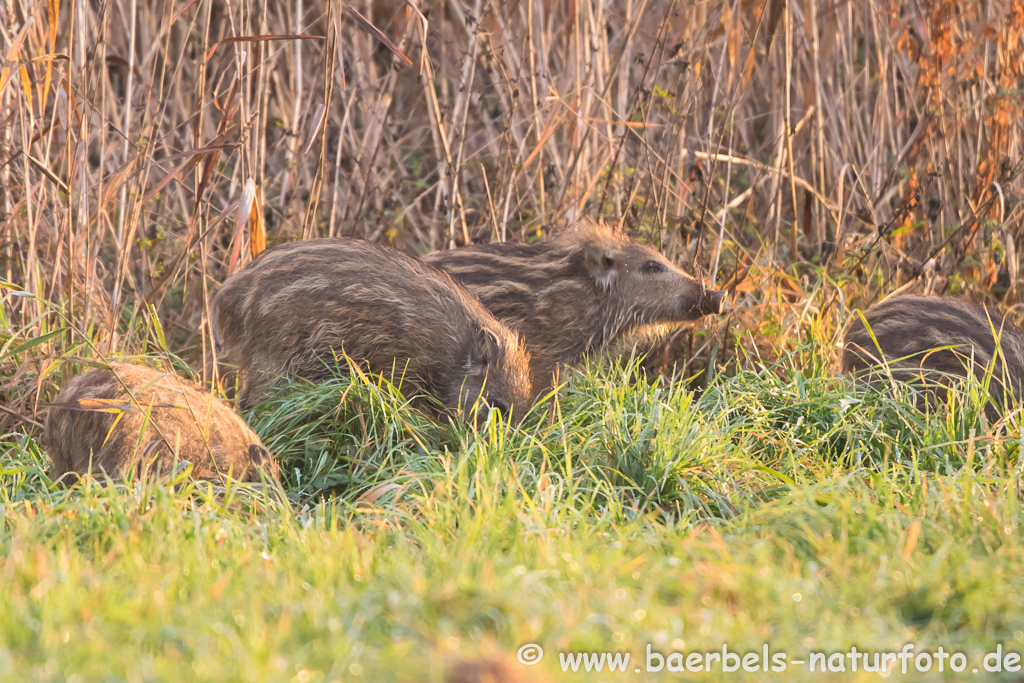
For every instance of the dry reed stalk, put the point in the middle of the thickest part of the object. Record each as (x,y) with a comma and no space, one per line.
(130,131)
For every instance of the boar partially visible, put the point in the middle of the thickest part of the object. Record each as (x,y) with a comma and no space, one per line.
(98,424)
(493,669)
(932,340)
(591,289)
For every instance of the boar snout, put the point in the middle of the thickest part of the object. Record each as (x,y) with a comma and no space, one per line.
(712,302)
(699,302)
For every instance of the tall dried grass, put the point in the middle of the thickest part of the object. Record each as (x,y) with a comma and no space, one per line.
(778,146)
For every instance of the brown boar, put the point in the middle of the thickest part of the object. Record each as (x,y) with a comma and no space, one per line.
(98,423)
(590,289)
(298,307)
(934,340)
(492,669)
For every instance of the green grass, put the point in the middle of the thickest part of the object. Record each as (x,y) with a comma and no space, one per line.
(781,506)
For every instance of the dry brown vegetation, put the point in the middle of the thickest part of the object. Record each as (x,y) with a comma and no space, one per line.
(789,150)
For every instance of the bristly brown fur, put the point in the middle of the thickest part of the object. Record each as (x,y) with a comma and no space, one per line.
(908,328)
(98,423)
(587,290)
(494,669)
(299,306)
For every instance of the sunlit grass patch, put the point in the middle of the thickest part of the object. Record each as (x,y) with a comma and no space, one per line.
(781,505)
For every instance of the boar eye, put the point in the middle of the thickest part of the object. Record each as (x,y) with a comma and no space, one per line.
(652,267)
(498,405)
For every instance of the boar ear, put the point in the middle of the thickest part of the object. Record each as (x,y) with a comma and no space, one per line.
(484,352)
(602,263)
(259,455)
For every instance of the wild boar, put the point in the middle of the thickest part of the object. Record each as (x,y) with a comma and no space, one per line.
(132,419)
(935,340)
(299,307)
(591,289)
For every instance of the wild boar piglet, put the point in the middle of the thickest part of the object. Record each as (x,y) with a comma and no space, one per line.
(134,419)
(299,307)
(590,289)
(932,340)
